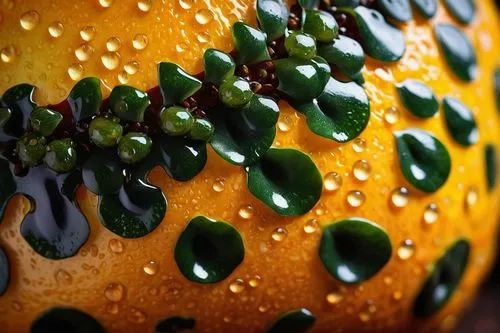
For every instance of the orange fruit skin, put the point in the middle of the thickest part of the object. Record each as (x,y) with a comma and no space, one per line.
(291,274)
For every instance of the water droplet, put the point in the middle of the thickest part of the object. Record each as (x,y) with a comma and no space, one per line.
(151,267)
(406,249)
(131,67)
(361,170)
(112,308)
(255,281)
(29,20)
(63,277)
(388,280)
(56,29)
(181,47)
(237,286)
(397,295)
(144,5)
(364,317)
(334,297)
(136,316)
(123,77)
(311,226)
(471,197)
(186,4)
(114,292)
(75,71)
(203,37)
(84,52)
(105,3)
(400,197)
(227,319)
(391,115)
(87,33)
(279,234)
(204,16)
(113,44)
(140,41)
(246,212)
(263,308)
(16,306)
(431,214)
(359,145)
(8,54)
(285,123)
(115,245)
(218,185)
(332,181)
(356,198)
(110,60)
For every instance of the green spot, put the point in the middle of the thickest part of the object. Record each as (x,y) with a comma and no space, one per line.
(300,45)
(66,320)
(286,180)
(102,173)
(134,147)
(128,103)
(175,84)
(354,250)
(340,113)
(497,87)
(345,3)
(19,99)
(85,98)
(4,272)
(458,51)
(61,155)
(250,44)
(462,10)
(344,53)
(235,92)
(105,132)
(202,130)
(426,8)
(31,149)
(418,98)
(295,321)
(443,280)
(308,4)
(400,10)
(261,113)
(491,162)
(381,40)
(208,251)
(45,121)
(460,122)
(273,17)
(8,188)
(175,324)
(302,80)
(218,66)
(424,160)
(176,120)
(321,25)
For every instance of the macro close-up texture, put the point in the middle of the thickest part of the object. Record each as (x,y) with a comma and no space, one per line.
(274,166)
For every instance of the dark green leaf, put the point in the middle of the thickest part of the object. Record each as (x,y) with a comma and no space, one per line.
(4,272)
(321,25)
(63,320)
(424,160)
(462,10)
(302,79)
(418,98)
(8,188)
(175,84)
(497,87)
(218,66)
(250,44)
(128,103)
(286,180)
(491,162)
(85,98)
(340,113)
(354,250)
(295,321)
(458,51)
(175,324)
(460,122)
(273,17)
(45,121)
(102,172)
(202,130)
(381,40)
(345,53)
(308,3)
(427,8)
(345,3)
(444,279)
(19,99)
(400,10)
(208,251)
(260,113)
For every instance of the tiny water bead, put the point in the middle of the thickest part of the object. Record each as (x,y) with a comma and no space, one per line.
(8,54)
(145,5)
(123,77)
(431,214)
(115,245)
(105,3)
(406,249)
(246,212)
(29,20)
(75,71)
(140,42)
(56,29)
(204,16)
(279,234)
(332,181)
(237,286)
(114,292)
(131,67)
(88,33)
(84,52)
(186,4)
(334,297)
(113,44)
(311,226)
(400,197)
(391,115)
(218,185)
(136,316)
(255,281)
(471,197)
(110,60)
(150,268)
(285,124)
(356,198)
(359,145)
(361,170)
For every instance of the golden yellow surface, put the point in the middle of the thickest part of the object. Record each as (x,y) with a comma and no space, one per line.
(289,272)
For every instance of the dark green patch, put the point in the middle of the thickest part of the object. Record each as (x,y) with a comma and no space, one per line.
(444,279)
(491,162)
(340,113)
(8,188)
(273,17)
(497,87)
(460,122)
(202,130)
(19,99)
(175,324)
(85,98)
(418,98)
(218,66)
(175,84)
(4,272)
(308,3)
(128,103)
(426,8)
(61,155)
(208,251)
(250,44)
(64,320)
(400,10)
(345,53)
(300,45)
(286,180)
(381,40)
(102,172)
(424,160)
(45,121)
(458,51)
(295,321)
(354,250)
(345,3)
(462,10)
(134,147)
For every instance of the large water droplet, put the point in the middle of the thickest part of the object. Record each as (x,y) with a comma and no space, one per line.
(87,33)
(140,41)
(84,52)
(105,3)
(204,16)
(186,4)
(113,44)
(359,145)
(131,67)
(356,198)
(311,226)
(332,181)
(144,5)
(391,115)
(75,71)
(237,286)
(151,267)
(246,212)
(361,170)
(110,60)
(8,54)
(431,214)
(56,29)
(218,185)
(279,234)
(114,292)
(406,249)
(400,197)
(29,20)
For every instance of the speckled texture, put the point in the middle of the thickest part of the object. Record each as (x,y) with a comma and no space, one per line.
(291,274)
